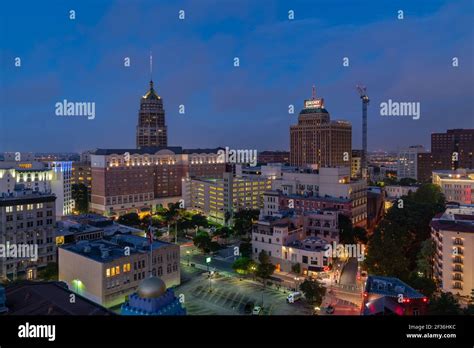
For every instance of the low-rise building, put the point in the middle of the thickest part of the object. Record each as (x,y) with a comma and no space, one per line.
(456,185)
(290,239)
(391,296)
(107,270)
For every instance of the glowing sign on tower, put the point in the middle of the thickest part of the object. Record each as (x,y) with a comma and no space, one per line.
(314,103)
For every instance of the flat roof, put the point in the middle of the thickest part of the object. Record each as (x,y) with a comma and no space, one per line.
(48,298)
(111,248)
(390,286)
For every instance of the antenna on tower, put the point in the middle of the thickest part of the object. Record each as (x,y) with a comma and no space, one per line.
(313,93)
(151,65)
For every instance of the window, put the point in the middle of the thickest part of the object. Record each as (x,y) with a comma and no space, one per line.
(305,259)
(112,271)
(117,270)
(9,209)
(126,267)
(107,272)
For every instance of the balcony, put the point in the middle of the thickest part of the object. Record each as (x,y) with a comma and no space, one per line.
(457,278)
(457,260)
(457,269)
(458,242)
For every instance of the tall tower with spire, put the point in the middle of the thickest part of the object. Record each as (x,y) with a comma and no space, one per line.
(151,128)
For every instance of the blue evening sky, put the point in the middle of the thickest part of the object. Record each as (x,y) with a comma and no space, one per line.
(407,60)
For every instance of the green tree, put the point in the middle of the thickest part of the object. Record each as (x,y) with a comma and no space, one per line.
(80,194)
(199,220)
(385,251)
(243,265)
(264,268)
(425,285)
(245,249)
(203,241)
(424,260)
(445,304)
(313,291)
(360,235)
(130,219)
(50,272)
(243,221)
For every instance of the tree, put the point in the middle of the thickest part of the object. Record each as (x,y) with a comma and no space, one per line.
(407,181)
(265,268)
(130,219)
(313,291)
(245,249)
(203,241)
(223,232)
(425,285)
(80,194)
(50,272)
(424,260)
(445,304)
(243,220)
(243,265)
(199,220)
(360,235)
(385,251)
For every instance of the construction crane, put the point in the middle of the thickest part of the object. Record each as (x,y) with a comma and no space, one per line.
(365,101)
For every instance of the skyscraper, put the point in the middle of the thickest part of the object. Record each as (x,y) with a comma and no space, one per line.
(151,129)
(318,140)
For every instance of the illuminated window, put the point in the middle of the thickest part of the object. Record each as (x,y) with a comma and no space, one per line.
(126,267)
(117,270)
(107,272)
(112,271)
(9,209)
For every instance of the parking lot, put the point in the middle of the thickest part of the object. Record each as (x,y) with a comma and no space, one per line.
(229,296)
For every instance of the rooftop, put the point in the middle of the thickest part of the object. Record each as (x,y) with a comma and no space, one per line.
(389,286)
(153,150)
(456,218)
(48,298)
(111,248)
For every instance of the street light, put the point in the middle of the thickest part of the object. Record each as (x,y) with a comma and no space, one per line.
(188,252)
(208,261)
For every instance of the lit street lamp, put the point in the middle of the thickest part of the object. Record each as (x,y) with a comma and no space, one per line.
(188,252)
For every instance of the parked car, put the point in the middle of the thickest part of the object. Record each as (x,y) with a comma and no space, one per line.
(293,297)
(257,310)
(248,307)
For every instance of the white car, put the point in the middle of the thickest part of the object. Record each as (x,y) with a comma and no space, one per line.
(257,310)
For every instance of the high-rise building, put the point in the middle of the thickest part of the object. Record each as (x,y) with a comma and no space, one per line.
(151,128)
(449,151)
(454,149)
(219,198)
(407,164)
(316,140)
(453,235)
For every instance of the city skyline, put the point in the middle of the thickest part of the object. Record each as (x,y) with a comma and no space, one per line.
(83,60)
